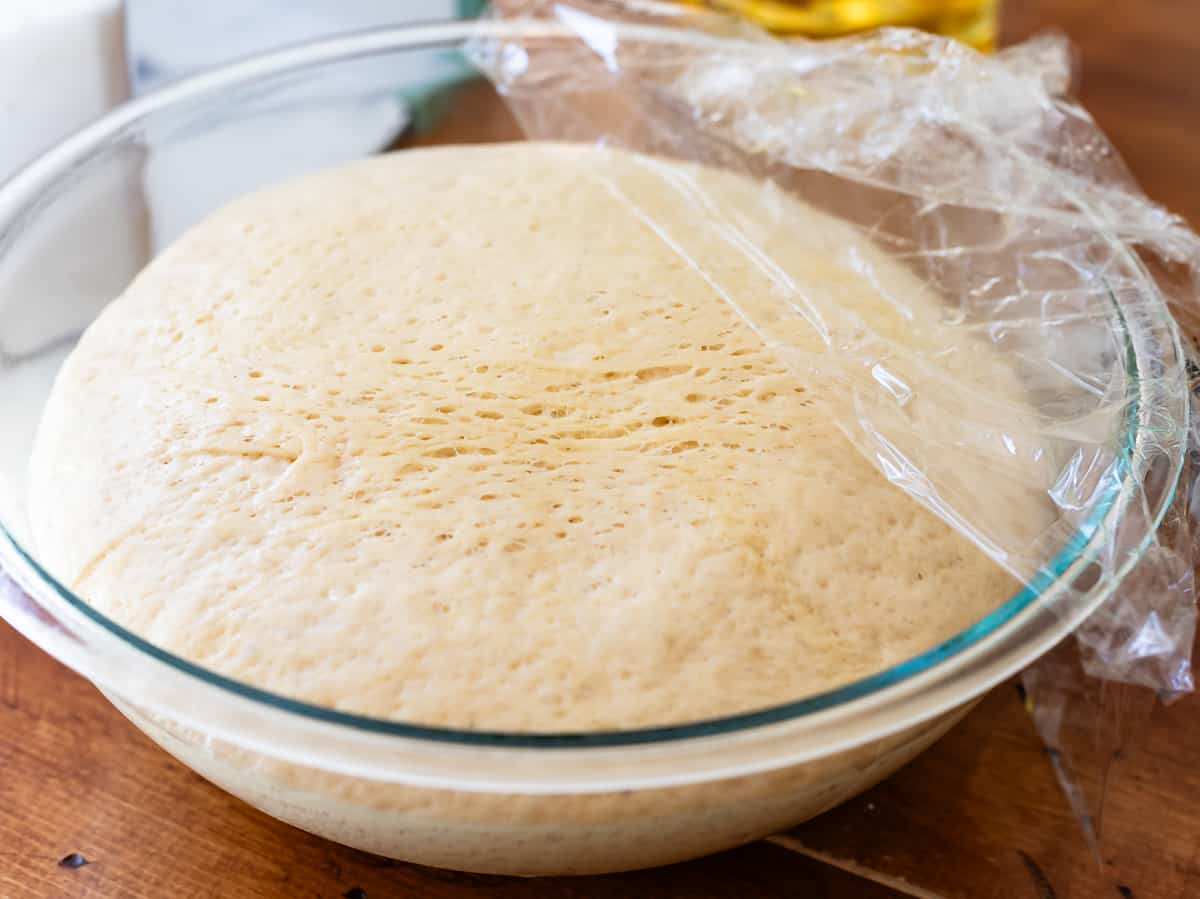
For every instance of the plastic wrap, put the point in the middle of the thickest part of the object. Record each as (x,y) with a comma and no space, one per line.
(1006,201)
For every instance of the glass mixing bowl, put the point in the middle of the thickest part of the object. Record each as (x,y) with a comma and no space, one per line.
(78,224)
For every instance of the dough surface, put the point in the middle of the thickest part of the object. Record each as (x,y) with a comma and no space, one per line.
(454,436)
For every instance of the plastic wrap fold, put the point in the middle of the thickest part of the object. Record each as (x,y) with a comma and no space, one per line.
(1042,406)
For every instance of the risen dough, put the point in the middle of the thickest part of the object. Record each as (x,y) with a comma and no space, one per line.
(454,436)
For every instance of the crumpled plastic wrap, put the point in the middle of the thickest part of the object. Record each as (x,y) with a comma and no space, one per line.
(1003,196)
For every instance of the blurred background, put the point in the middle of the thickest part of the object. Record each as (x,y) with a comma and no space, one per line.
(62,62)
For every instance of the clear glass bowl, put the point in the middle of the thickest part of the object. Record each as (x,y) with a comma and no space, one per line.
(77,225)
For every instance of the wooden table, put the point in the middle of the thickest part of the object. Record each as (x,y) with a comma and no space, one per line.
(978,817)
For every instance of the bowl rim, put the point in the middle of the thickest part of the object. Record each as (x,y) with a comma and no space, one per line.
(956,670)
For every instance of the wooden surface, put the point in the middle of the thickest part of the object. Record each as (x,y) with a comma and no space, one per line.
(977,817)
(76,777)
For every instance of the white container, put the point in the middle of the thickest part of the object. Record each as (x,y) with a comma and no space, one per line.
(169,41)
(62,64)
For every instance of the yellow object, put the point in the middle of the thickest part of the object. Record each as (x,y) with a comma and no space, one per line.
(971,21)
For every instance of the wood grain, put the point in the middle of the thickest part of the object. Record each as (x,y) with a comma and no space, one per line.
(981,817)
(1139,76)
(77,777)
(978,817)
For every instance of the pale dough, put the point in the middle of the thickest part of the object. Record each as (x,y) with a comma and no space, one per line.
(455,436)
